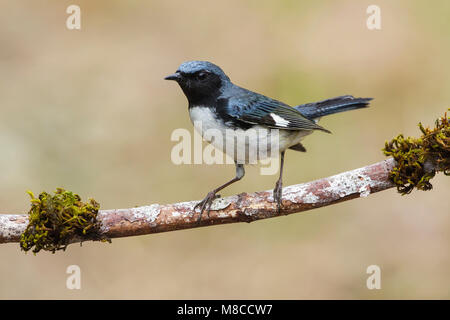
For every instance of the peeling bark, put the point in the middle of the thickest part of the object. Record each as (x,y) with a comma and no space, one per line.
(245,207)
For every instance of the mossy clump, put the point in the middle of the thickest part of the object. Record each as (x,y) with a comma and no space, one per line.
(418,159)
(55,220)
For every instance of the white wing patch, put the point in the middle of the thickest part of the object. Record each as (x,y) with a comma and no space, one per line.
(279,121)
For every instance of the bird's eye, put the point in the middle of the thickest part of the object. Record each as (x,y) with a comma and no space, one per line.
(202,75)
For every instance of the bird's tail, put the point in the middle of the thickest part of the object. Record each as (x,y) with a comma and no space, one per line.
(334,105)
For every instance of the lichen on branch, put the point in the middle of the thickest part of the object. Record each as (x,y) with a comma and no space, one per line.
(56,220)
(418,159)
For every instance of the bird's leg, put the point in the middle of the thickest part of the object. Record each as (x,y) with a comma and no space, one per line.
(207,202)
(278,191)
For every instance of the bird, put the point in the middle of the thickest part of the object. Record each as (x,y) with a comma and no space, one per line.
(217,103)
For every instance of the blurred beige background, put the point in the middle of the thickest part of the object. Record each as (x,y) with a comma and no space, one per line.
(88,110)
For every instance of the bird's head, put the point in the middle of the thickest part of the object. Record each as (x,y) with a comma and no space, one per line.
(200,81)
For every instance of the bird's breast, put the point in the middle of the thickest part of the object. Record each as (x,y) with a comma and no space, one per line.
(204,119)
(243,145)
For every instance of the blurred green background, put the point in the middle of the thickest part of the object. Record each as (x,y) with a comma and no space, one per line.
(89,111)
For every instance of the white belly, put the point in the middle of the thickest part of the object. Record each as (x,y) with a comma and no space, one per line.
(244,146)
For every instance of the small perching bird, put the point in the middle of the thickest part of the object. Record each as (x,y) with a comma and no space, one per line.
(217,104)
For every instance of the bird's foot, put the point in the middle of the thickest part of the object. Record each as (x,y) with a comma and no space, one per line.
(206,204)
(277,194)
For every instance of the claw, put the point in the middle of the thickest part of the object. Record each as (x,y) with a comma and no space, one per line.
(206,204)
(277,195)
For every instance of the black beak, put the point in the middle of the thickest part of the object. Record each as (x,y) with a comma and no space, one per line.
(175,77)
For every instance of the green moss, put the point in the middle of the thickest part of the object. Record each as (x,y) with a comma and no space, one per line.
(418,159)
(55,220)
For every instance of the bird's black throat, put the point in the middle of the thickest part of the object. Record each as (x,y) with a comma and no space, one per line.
(200,92)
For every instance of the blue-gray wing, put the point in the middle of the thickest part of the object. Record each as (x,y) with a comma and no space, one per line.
(257,109)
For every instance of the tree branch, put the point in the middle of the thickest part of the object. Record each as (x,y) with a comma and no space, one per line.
(245,207)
